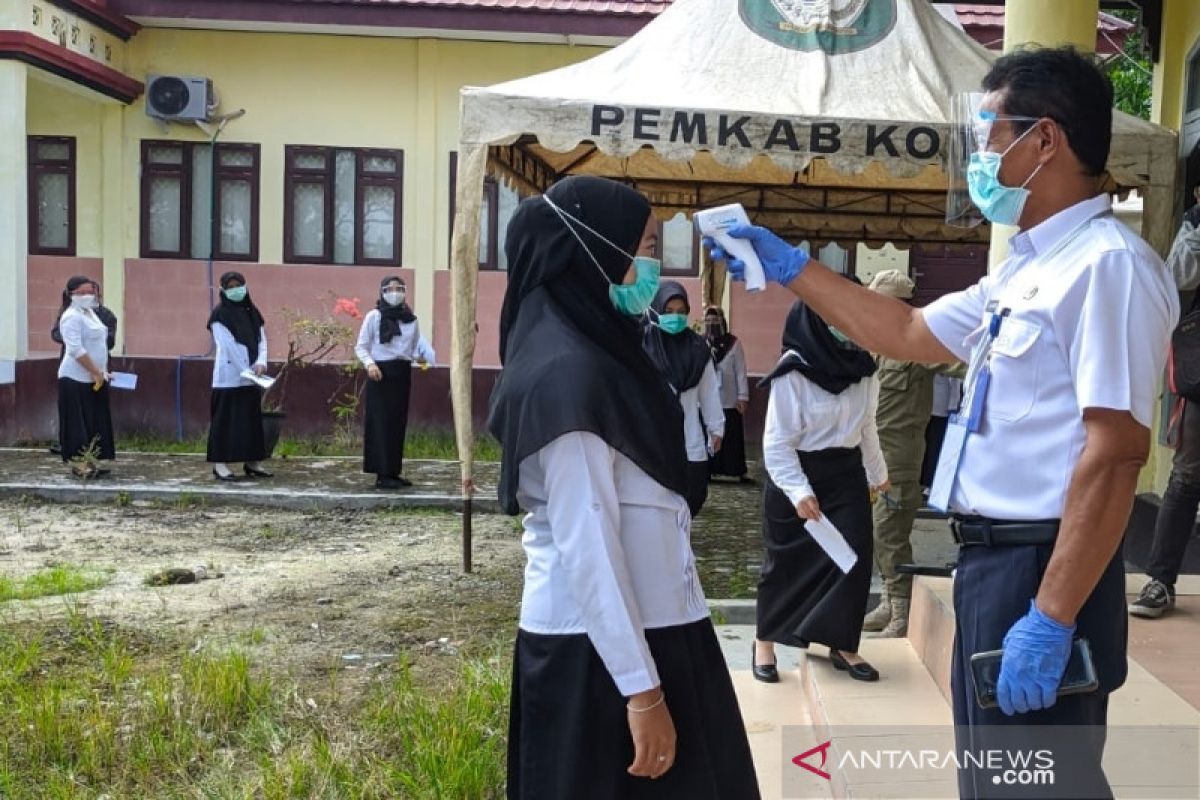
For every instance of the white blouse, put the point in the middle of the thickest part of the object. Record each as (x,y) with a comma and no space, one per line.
(409,345)
(731,373)
(232,358)
(609,554)
(802,416)
(702,401)
(83,334)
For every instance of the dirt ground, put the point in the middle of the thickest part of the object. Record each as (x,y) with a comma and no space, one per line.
(303,592)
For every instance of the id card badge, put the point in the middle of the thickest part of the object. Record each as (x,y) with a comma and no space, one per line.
(947,464)
(972,413)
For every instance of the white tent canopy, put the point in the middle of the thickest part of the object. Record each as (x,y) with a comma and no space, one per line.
(827,119)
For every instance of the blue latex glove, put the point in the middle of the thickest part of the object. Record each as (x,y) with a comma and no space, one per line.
(1036,650)
(781,262)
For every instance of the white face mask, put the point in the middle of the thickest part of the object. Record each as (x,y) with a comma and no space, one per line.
(393,298)
(83,300)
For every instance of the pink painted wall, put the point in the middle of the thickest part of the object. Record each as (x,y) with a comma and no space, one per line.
(757,319)
(47,276)
(490,298)
(167,301)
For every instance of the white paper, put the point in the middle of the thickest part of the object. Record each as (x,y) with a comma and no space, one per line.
(832,542)
(123,380)
(261,380)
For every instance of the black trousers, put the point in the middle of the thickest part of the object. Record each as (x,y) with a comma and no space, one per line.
(992,590)
(1177,514)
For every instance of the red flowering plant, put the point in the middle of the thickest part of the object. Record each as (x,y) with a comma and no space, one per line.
(327,338)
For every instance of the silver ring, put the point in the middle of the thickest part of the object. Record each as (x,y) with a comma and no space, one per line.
(662,758)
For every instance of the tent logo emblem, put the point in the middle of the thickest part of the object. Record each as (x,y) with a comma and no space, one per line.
(834,26)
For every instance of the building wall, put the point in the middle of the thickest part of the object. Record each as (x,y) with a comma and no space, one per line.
(1180,34)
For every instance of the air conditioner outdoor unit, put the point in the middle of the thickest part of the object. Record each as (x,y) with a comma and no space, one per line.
(179,97)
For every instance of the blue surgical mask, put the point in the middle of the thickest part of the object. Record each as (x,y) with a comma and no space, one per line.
(635,298)
(673,323)
(237,294)
(997,202)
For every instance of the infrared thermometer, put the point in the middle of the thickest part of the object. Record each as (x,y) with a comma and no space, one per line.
(715,223)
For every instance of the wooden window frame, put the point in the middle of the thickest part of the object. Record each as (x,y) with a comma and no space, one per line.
(37,167)
(183,171)
(327,177)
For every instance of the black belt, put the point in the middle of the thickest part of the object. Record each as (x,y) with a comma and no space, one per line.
(984,532)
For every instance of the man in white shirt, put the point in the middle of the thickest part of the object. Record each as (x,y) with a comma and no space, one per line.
(1073,327)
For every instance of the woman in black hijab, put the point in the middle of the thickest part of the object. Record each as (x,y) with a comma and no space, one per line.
(240,338)
(389,341)
(619,687)
(84,418)
(730,358)
(822,455)
(686,362)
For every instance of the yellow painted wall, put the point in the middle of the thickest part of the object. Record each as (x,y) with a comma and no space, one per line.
(1180,34)
(334,90)
(52,110)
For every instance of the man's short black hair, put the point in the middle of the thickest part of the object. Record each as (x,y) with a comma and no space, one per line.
(1064,85)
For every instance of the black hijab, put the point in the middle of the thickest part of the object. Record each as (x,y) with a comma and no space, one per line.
(392,317)
(680,357)
(720,341)
(572,362)
(814,352)
(242,319)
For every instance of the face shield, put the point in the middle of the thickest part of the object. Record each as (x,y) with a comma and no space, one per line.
(971,133)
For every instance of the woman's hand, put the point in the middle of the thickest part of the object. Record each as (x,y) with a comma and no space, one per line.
(883,487)
(716,444)
(373,373)
(808,509)
(653,734)
(741,406)
(259,369)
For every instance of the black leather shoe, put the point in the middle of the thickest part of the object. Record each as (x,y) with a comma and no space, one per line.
(404,482)
(767,673)
(384,482)
(257,473)
(859,672)
(231,478)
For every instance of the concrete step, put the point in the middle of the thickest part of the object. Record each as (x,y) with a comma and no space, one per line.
(904,710)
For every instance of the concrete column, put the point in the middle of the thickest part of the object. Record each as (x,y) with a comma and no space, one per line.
(14,224)
(112,130)
(1050,24)
(421,172)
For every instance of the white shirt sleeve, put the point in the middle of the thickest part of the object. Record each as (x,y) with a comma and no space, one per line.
(1184,258)
(739,369)
(71,329)
(262,347)
(873,461)
(425,351)
(1112,325)
(229,348)
(953,317)
(710,402)
(781,440)
(585,517)
(367,333)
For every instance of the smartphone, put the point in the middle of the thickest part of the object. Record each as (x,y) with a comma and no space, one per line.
(1079,678)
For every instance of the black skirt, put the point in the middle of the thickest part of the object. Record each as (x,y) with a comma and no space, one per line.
(569,735)
(803,596)
(385,419)
(84,420)
(731,459)
(236,431)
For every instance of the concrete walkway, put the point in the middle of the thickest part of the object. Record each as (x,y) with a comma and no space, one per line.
(299,483)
